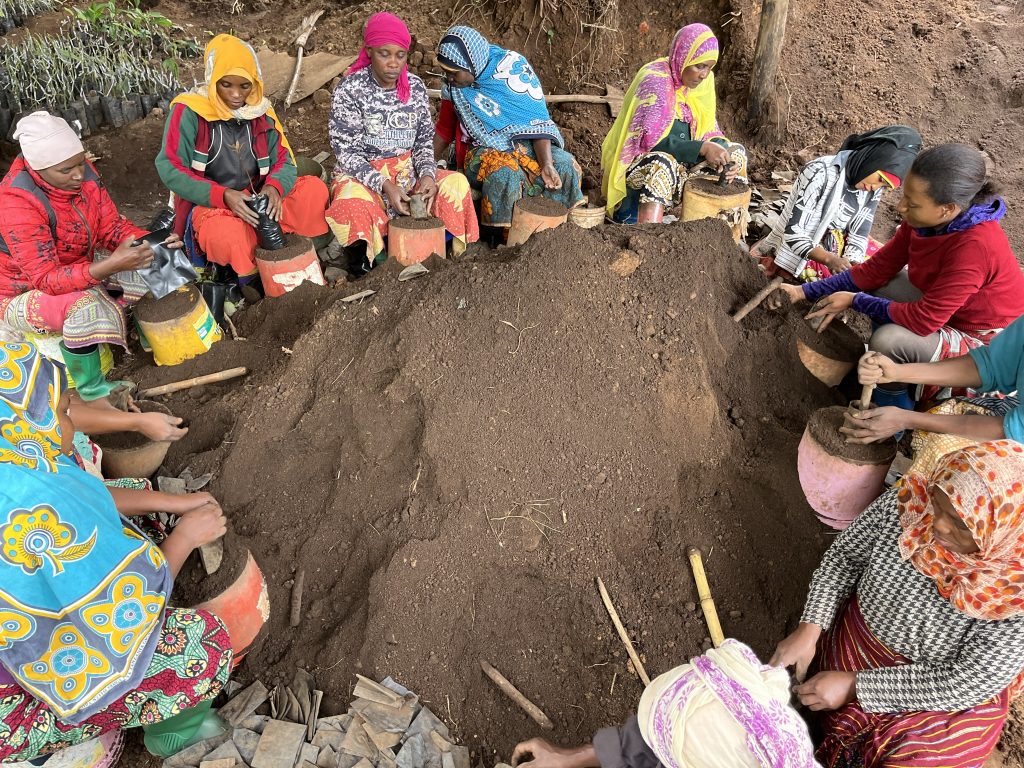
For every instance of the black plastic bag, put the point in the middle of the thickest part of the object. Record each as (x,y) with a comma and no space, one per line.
(268,232)
(164,219)
(170,268)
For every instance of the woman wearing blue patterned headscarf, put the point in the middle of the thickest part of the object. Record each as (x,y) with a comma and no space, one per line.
(515,147)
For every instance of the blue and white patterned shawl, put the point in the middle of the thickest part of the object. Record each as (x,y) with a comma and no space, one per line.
(505,103)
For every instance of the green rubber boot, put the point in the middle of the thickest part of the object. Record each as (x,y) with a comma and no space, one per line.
(87,372)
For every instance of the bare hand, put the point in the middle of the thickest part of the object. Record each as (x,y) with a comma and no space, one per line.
(792,292)
(827,690)
(876,368)
(395,195)
(550,177)
(126,258)
(173,242)
(538,753)
(427,187)
(235,201)
(190,502)
(874,424)
(274,203)
(714,154)
(797,650)
(837,264)
(831,306)
(160,427)
(202,525)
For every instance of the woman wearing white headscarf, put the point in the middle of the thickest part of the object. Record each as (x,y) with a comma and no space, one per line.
(722,710)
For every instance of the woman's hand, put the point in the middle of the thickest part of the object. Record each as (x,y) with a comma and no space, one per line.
(874,424)
(875,368)
(125,258)
(202,524)
(396,196)
(797,650)
(792,292)
(714,154)
(187,503)
(550,177)
(837,264)
(827,690)
(538,753)
(160,427)
(830,306)
(274,203)
(235,201)
(174,242)
(427,187)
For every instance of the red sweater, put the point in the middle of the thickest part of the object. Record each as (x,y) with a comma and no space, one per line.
(86,220)
(969,280)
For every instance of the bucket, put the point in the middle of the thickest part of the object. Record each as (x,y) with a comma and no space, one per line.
(838,479)
(410,240)
(285,269)
(587,218)
(179,326)
(131,454)
(533,214)
(307,166)
(704,199)
(244,607)
(830,355)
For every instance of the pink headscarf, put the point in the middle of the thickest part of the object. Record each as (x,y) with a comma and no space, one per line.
(385,29)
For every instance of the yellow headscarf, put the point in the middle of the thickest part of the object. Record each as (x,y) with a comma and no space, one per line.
(227,56)
(654,100)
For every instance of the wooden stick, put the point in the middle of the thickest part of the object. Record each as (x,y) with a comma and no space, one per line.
(770,36)
(707,603)
(305,29)
(513,693)
(637,664)
(296,613)
(865,396)
(760,296)
(210,378)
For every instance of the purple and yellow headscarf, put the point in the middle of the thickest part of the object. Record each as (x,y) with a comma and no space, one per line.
(655,99)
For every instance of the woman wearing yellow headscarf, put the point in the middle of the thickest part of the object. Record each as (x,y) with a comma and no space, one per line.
(223,143)
(667,122)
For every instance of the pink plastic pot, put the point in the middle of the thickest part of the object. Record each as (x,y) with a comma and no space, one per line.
(244,607)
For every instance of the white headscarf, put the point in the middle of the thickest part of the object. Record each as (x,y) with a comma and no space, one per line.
(46,140)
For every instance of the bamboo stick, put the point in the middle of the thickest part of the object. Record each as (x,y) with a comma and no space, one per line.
(210,378)
(760,296)
(535,712)
(637,664)
(707,603)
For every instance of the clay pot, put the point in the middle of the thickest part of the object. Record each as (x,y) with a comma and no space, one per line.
(285,269)
(244,607)
(839,480)
(831,355)
(701,203)
(130,454)
(527,222)
(410,240)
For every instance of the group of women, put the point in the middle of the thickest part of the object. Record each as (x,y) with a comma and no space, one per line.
(911,644)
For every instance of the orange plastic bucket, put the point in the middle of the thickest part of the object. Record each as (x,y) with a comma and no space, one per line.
(410,244)
(286,269)
(244,607)
(526,222)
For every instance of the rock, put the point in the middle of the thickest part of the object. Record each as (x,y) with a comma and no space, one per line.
(279,745)
(691,607)
(322,98)
(416,59)
(735,614)
(246,742)
(626,263)
(601,478)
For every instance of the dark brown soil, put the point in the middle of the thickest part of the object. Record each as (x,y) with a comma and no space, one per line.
(712,187)
(824,427)
(542,206)
(172,306)
(125,441)
(838,341)
(408,222)
(194,586)
(294,245)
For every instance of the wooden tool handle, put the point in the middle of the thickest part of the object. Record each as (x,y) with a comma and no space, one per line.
(865,396)
(535,712)
(210,378)
(621,630)
(760,296)
(707,603)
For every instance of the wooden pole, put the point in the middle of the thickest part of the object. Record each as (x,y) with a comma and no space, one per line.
(770,37)
(513,693)
(210,378)
(623,636)
(760,296)
(707,603)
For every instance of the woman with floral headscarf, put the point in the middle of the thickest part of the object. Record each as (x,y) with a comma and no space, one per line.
(724,709)
(666,125)
(89,644)
(915,618)
(515,149)
(223,144)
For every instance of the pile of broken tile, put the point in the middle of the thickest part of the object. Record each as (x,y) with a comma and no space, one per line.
(385,727)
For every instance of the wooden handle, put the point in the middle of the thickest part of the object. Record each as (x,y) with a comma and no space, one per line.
(760,296)
(637,664)
(865,396)
(535,712)
(707,603)
(210,378)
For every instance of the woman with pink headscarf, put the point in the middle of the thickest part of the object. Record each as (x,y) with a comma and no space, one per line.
(383,137)
(667,125)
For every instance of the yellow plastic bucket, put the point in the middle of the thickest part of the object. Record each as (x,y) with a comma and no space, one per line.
(186,334)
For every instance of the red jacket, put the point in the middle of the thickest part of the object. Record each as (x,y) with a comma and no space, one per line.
(85,220)
(970,280)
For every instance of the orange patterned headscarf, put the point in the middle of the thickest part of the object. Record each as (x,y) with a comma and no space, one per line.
(985,484)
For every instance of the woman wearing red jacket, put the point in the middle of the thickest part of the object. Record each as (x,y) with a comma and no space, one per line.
(946,283)
(54,215)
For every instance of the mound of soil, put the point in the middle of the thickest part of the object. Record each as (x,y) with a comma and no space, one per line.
(711,187)
(452,463)
(542,206)
(294,245)
(174,305)
(408,222)
(824,428)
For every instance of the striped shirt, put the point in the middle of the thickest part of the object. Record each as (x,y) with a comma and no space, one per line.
(957,661)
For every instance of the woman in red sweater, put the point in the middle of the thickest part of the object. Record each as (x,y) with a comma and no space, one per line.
(946,283)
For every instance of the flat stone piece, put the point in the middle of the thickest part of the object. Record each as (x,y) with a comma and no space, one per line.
(334,722)
(384,740)
(325,737)
(387,718)
(327,758)
(425,722)
(224,762)
(419,752)
(255,723)
(357,742)
(279,745)
(244,704)
(309,753)
(246,742)
(193,755)
(226,751)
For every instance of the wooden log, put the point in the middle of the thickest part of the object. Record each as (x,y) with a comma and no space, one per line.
(210,378)
(760,296)
(535,712)
(770,37)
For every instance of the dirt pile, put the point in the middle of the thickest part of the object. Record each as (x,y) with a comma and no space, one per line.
(454,460)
